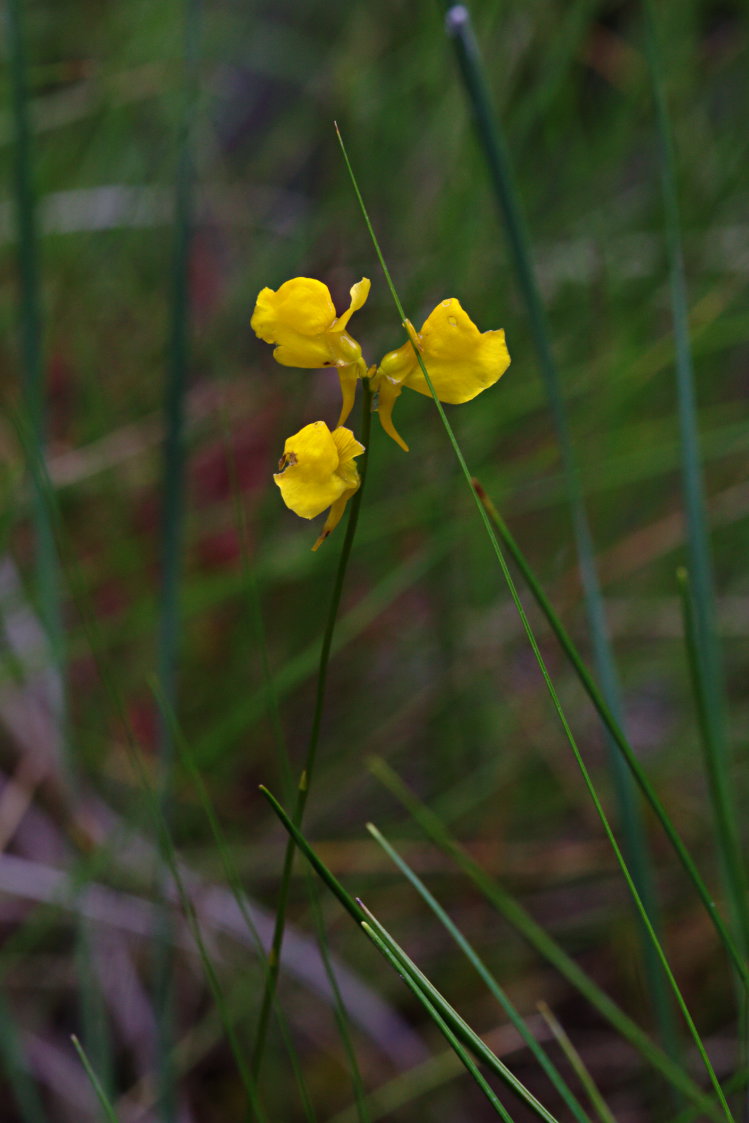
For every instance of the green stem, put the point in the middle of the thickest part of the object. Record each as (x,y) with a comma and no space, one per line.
(305,778)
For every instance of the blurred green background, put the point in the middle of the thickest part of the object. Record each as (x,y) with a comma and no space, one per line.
(432,671)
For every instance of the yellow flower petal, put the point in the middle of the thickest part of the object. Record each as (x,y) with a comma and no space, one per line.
(310,352)
(334,517)
(461,360)
(348,448)
(303,306)
(300,318)
(388,393)
(318,470)
(307,473)
(348,377)
(359,293)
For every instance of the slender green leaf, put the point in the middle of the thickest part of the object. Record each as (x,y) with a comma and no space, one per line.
(543,943)
(458,1024)
(397,964)
(572,1055)
(485,975)
(96,1084)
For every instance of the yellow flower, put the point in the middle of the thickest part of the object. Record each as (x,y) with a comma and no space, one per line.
(317,470)
(461,360)
(300,319)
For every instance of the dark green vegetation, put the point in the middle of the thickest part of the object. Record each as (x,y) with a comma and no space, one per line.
(163,164)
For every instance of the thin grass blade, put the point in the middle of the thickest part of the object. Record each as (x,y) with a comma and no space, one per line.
(397,964)
(599,1104)
(491,983)
(109,1113)
(459,1025)
(543,943)
(23,1089)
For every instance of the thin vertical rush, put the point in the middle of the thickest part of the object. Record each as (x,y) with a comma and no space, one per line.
(492,144)
(33,436)
(31,334)
(707,653)
(173,469)
(32,374)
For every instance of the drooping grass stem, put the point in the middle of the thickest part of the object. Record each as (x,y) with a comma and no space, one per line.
(636,896)
(495,154)
(305,778)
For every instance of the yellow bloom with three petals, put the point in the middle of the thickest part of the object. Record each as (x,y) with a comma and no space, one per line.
(300,319)
(318,470)
(461,361)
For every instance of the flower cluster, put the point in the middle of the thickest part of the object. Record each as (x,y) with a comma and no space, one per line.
(318,469)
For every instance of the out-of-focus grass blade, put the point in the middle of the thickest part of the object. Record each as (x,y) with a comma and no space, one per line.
(31,328)
(24,1090)
(723,807)
(494,151)
(544,944)
(33,438)
(178,357)
(706,647)
(167,850)
(297,668)
(96,1084)
(572,1055)
(235,884)
(615,730)
(496,990)
(173,512)
(341,1015)
(396,963)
